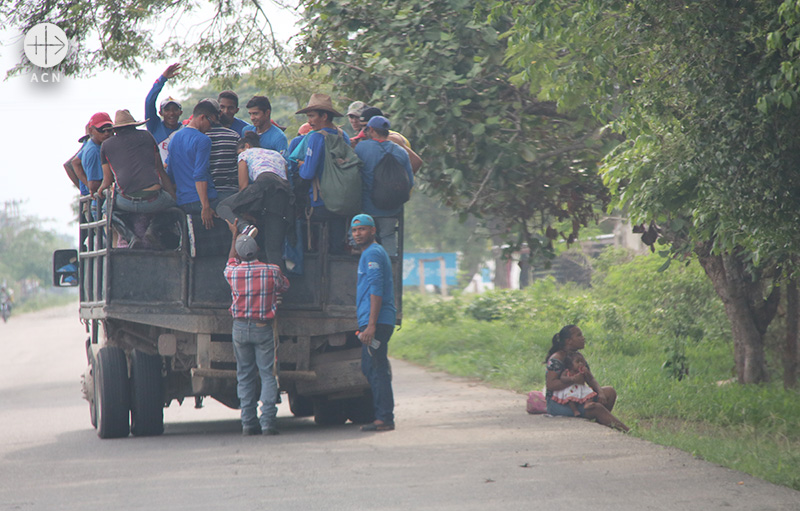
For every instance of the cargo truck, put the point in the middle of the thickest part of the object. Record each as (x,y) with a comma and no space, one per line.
(159,328)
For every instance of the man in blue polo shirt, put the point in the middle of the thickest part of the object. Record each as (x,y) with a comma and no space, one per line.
(100,129)
(376,319)
(187,165)
(271,136)
(170,111)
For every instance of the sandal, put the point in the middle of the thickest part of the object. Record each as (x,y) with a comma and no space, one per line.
(374,426)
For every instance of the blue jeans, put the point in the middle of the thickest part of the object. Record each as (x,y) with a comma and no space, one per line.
(375,366)
(162,202)
(254,348)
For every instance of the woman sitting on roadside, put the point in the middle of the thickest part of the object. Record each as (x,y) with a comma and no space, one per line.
(569,340)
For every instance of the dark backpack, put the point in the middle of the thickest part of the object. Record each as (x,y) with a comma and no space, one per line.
(340,184)
(391,187)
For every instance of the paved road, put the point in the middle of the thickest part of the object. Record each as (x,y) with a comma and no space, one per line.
(459,446)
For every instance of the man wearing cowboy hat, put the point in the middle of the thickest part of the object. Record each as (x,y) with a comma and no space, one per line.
(131,160)
(320,113)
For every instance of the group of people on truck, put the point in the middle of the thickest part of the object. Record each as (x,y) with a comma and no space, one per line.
(217,165)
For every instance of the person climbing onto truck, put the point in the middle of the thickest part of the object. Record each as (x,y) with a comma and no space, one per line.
(254,292)
(264,193)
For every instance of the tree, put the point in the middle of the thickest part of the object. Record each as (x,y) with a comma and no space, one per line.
(232,36)
(288,89)
(705,98)
(492,148)
(26,250)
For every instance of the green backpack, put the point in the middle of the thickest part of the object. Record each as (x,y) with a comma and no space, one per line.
(340,184)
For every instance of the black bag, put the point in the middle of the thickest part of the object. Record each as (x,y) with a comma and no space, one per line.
(391,187)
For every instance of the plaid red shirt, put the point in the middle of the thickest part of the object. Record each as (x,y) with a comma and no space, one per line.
(254,288)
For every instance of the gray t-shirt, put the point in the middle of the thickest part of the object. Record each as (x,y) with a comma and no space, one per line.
(133,156)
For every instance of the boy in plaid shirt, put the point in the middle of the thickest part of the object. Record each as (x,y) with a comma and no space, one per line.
(254,292)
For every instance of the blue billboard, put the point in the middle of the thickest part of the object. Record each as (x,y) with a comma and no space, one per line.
(432,264)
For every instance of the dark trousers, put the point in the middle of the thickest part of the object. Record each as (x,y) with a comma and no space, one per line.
(267,201)
(375,366)
(337,229)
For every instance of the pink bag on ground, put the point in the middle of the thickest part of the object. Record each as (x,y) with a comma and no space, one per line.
(537,403)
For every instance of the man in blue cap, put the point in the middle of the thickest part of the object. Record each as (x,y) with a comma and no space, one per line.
(371,151)
(376,319)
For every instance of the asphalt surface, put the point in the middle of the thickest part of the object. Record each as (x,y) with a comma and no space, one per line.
(459,445)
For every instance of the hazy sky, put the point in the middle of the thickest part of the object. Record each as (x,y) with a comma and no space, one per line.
(43,121)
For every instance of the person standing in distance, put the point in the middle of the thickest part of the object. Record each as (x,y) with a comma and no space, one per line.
(254,292)
(376,319)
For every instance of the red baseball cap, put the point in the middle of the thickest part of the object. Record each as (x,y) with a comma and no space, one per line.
(100,119)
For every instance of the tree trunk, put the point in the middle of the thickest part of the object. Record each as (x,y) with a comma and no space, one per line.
(500,264)
(748,311)
(790,354)
(524,267)
(497,231)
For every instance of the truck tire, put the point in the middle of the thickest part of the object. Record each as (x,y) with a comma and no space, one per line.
(147,394)
(300,406)
(111,393)
(329,413)
(360,409)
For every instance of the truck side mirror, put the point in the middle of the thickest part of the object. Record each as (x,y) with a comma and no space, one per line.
(65,268)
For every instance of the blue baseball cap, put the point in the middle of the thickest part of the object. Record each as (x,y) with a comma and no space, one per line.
(380,122)
(362,219)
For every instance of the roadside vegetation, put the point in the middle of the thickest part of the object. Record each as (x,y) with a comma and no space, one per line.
(26,255)
(660,338)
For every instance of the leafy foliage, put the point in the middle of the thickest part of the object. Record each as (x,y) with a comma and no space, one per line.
(491,148)
(119,34)
(702,92)
(26,252)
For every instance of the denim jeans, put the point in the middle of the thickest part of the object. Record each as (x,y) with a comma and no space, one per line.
(375,366)
(254,348)
(161,203)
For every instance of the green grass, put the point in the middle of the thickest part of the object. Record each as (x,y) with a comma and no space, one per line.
(751,428)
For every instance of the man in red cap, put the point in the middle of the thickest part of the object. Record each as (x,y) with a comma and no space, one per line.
(90,171)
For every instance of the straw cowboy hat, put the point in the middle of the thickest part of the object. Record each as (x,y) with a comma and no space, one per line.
(124,118)
(320,102)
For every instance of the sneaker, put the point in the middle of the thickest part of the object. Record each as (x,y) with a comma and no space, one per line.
(251,231)
(271,431)
(251,430)
(375,426)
